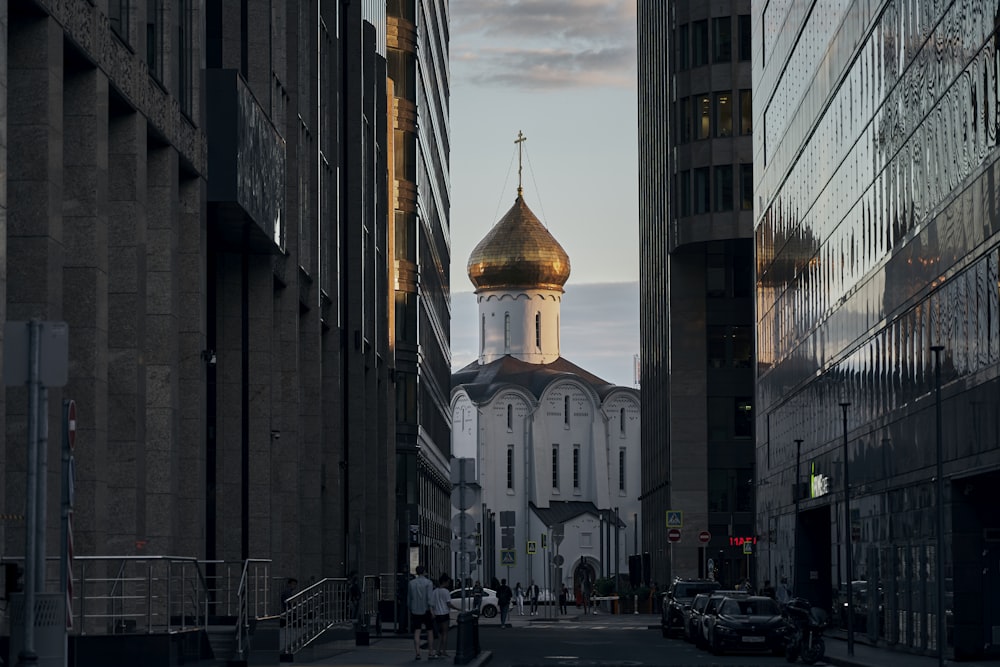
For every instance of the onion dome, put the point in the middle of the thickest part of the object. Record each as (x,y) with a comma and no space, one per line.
(519,252)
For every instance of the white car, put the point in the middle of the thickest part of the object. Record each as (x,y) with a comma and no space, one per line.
(488,608)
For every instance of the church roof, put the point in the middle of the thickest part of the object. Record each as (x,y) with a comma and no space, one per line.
(519,252)
(482,382)
(560,511)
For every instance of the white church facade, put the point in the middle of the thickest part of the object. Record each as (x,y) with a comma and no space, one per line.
(556,448)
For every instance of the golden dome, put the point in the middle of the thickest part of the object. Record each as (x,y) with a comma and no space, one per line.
(519,252)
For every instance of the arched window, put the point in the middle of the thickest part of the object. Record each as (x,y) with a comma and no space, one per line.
(482,335)
(621,422)
(510,467)
(538,330)
(510,418)
(566,410)
(621,469)
(506,333)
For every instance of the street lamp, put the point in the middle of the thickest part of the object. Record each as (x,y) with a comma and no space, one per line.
(848,551)
(939,561)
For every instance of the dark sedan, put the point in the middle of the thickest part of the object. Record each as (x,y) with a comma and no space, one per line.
(692,616)
(750,623)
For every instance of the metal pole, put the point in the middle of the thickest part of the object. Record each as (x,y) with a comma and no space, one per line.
(848,551)
(798,498)
(939,560)
(618,557)
(41,489)
(27,655)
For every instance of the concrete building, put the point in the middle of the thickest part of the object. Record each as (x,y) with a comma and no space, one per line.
(556,448)
(878,337)
(418,66)
(696,286)
(219,242)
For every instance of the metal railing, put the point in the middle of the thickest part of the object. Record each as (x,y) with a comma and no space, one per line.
(312,611)
(253,601)
(125,594)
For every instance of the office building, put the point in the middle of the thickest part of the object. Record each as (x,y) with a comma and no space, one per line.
(696,287)
(876,231)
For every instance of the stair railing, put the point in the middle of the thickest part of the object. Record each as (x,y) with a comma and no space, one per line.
(311,612)
(252,601)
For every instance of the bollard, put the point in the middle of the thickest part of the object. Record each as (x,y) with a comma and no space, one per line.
(635,604)
(467,642)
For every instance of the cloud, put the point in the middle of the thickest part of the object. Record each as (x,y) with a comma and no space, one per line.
(544,43)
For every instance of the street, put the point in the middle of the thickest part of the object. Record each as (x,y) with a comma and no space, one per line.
(601,641)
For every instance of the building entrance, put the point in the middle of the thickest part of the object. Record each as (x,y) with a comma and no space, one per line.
(813,564)
(975,543)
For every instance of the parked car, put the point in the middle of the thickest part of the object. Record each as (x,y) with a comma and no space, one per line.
(488,608)
(747,623)
(692,616)
(678,597)
(709,615)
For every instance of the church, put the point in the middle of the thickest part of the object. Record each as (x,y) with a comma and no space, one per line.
(556,448)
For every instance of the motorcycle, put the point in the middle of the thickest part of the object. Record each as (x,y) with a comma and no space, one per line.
(805,625)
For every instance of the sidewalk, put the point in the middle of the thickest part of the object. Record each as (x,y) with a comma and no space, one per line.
(875,656)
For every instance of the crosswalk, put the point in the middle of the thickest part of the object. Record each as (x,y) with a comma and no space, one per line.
(587,626)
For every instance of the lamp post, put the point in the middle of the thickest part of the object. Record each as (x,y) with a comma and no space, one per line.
(939,561)
(848,551)
(798,498)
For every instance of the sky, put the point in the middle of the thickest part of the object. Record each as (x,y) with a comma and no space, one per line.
(563,72)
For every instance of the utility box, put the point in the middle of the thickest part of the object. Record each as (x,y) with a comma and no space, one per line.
(50,628)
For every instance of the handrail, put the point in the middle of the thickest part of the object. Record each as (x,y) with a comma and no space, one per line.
(243,602)
(312,611)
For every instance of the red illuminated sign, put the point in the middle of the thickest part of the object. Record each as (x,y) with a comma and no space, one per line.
(740,541)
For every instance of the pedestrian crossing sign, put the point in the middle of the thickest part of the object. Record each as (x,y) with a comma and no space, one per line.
(675,519)
(532,547)
(508,557)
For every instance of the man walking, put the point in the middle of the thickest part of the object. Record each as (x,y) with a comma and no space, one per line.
(421,617)
(533,595)
(504,594)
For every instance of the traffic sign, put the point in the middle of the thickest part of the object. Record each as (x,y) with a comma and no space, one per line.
(558,560)
(465,545)
(675,519)
(704,536)
(508,557)
(674,535)
(463,524)
(748,548)
(532,547)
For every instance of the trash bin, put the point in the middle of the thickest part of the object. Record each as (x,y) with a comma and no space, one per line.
(467,642)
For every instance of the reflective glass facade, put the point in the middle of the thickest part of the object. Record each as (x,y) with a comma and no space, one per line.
(876,231)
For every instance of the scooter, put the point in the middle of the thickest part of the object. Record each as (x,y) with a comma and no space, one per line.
(805,631)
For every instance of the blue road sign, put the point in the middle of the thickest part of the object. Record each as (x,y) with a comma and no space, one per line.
(508,557)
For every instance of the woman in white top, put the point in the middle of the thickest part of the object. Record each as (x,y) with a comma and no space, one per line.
(441,608)
(519,595)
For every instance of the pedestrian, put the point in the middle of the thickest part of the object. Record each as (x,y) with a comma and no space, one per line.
(441,603)
(782,594)
(288,591)
(519,596)
(477,597)
(354,593)
(504,594)
(585,588)
(768,590)
(563,594)
(533,594)
(421,618)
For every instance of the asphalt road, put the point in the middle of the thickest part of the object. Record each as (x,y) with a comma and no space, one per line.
(594,645)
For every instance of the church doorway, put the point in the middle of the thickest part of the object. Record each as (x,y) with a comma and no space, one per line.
(584,576)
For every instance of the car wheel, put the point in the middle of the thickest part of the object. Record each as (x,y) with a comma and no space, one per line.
(489,611)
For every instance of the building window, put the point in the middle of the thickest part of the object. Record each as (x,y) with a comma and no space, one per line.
(724,115)
(701,198)
(621,422)
(566,410)
(746,41)
(185,56)
(555,466)
(576,466)
(510,418)
(621,469)
(684,193)
(586,540)
(154,38)
(746,187)
(724,188)
(510,467)
(722,39)
(715,275)
(682,47)
(506,333)
(699,43)
(743,418)
(684,120)
(118,18)
(746,112)
(704,120)
(482,335)
(538,330)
